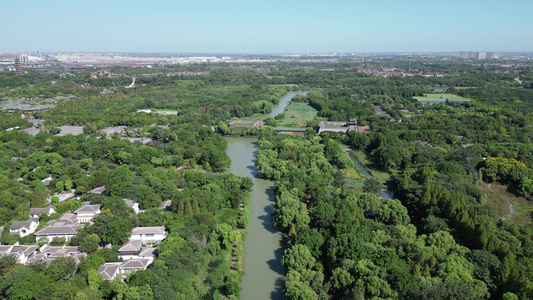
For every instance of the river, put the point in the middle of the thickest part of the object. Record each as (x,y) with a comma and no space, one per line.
(283,102)
(357,164)
(263,272)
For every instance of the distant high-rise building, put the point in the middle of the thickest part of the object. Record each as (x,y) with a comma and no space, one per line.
(493,55)
(18,67)
(469,54)
(479,55)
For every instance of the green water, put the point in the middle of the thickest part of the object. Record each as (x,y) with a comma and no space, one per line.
(263,273)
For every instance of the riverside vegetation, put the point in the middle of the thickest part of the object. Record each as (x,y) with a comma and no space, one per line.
(439,239)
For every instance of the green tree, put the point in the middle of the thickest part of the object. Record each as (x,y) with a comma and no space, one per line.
(39,197)
(372,185)
(90,243)
(33,286)
(68,185)
(61,268)
(298,258)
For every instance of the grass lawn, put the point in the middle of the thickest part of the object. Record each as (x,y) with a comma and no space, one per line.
(498,198)
(297,115)
(371,168)
(440,97)
(354,173)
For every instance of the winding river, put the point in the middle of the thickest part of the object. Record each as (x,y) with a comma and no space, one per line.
(263,272)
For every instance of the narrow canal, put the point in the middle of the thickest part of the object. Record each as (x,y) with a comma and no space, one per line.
(263,272)
(357,164)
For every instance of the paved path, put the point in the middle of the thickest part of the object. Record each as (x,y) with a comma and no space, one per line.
(234,255)
(132,84)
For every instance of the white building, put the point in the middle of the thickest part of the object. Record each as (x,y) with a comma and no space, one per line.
(133,205)
(23,228)
(87,212)
(37,211)
(50,253)
(148,235)
(111,270)
(133,249)
(51,231)
(20,252)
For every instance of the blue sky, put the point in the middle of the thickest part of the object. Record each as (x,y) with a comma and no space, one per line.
(274,26)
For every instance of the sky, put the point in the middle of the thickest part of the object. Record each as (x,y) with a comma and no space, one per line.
(273,26)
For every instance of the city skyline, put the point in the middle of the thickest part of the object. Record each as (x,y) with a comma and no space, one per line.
(274,27)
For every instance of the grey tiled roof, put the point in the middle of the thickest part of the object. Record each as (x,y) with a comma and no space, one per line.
(165,204)
(88,208)
(108,270)
(134,264)
(23,224)
(131,245)
(148,230)
(59,230)
(39,210)
(26,250)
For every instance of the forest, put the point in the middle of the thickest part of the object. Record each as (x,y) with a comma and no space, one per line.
(441,236)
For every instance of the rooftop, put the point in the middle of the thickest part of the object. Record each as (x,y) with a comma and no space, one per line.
(131,246)
(86,207)
(59,230)
(148,230)
(40,210)
(108,270)
(23,224)
(135,264)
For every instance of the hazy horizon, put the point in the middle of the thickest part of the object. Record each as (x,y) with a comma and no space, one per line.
(275,27)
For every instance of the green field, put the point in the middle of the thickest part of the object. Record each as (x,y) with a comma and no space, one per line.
(498,197)
(440,97)
(297,115)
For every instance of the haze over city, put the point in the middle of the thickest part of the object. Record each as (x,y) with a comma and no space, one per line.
(266,27)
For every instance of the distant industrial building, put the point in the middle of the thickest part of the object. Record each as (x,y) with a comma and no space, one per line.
(18,67)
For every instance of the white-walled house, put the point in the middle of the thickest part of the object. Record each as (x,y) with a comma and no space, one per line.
(131,265)
(37,211)
(20,252)
(87,212)
(111,270)
(133,205)
(133,249)
(23,228)
(50,232)
(148,235)
(49,253)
